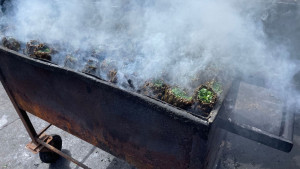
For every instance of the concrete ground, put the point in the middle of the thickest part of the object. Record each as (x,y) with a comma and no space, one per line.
(238,153)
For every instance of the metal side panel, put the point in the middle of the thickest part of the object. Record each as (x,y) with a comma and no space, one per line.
(257,113)
(144,132)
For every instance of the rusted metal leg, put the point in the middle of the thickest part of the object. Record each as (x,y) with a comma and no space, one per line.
(43,142)
(35,147)
(22,114)
(48,146)
(28,125)
(42,131)
(39,141)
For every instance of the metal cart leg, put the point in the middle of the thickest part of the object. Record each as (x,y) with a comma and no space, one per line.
(39,141)
(28,125)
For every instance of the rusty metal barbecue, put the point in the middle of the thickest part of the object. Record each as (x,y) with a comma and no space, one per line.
(145,132)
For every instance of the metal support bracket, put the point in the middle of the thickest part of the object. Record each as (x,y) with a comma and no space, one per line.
(36,148)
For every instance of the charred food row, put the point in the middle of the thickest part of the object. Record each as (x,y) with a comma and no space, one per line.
(203,100)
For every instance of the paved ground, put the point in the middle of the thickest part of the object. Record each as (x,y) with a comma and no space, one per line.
(238,153)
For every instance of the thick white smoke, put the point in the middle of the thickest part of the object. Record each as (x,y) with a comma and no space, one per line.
(151,39)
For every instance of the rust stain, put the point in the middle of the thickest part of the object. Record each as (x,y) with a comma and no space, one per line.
(37,88)
(134,154)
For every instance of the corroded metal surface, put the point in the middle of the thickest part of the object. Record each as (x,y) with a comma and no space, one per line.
(36,148)
(144,132)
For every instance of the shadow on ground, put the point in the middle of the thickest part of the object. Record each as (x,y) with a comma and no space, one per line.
(61,163)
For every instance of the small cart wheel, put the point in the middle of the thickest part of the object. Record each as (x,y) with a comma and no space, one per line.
(50,156)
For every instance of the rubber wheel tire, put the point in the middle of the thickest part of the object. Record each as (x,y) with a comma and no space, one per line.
(50,156)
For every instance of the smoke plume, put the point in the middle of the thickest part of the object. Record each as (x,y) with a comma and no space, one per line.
(170,39)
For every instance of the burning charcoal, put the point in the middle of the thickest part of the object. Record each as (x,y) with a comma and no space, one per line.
(177,97)
(38,50)
(70,62)
(90,67)
(112,76)
(154,88)
(205,98)
(11,43)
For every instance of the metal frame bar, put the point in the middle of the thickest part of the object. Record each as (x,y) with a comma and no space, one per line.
(48,146)
(22,114)
(30,129)
(42,131)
